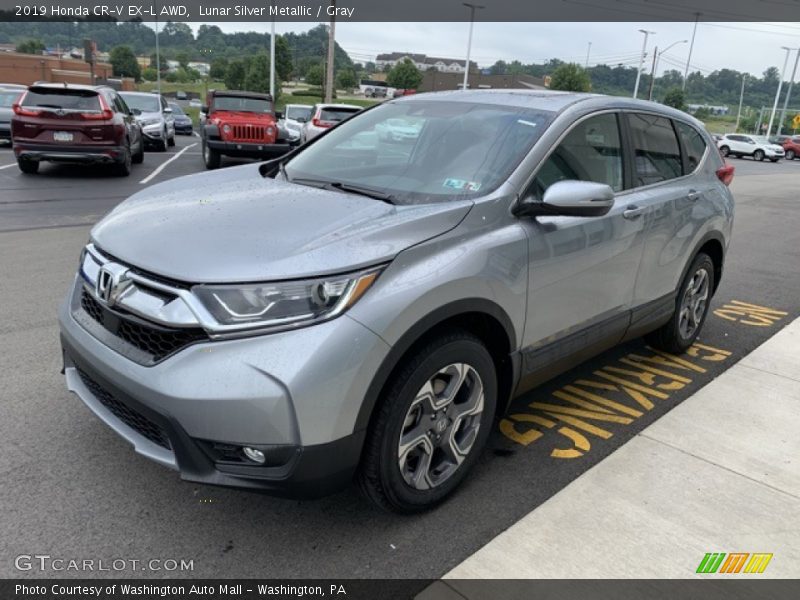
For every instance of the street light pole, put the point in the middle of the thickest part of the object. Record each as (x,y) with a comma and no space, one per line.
(641,61)
(272,58)
(691,50)
(329,62)
(741,101)
(656,58)
(588,51)
(778,93)
(158,61)
(788,94)
(472,8)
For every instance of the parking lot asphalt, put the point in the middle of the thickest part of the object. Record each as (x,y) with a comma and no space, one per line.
(73,489)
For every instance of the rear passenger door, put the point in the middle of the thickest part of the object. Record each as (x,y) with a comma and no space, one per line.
(665,155)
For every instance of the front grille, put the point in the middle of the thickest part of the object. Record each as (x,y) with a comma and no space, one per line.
(131,417)
(249,133)
(157,342)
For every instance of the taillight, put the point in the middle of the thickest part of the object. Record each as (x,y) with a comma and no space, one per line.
(725,174)
(104,115)
(315,122)
(24,112)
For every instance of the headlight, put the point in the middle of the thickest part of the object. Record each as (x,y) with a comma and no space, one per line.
(150,122)
(288,303)
(226,128)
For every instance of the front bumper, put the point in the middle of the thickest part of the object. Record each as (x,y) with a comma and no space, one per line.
(183,128)
(69,154)
(295,394)
(250,149)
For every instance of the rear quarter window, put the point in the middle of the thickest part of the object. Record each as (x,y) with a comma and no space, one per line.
(657,154)
(694,145)
(336,114)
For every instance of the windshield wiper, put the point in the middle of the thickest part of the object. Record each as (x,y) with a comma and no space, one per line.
(346,187)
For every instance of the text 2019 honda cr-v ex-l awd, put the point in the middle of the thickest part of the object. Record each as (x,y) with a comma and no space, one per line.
(362,308)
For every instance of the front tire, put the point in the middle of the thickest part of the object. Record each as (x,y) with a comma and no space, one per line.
(759,155)
(790,155)
(171,141)
(431,425)
(211,157)
(691,308)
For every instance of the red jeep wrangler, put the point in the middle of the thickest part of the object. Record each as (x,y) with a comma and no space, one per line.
(240,124)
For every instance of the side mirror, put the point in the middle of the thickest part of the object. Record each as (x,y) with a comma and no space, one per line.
(204,109)
(278,114)
(570,198)
(167,111)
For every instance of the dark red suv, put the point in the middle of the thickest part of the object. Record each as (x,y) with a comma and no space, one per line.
(75,124)
(790,144)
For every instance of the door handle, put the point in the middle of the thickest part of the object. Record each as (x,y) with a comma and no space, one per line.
(632,212)
(694,195)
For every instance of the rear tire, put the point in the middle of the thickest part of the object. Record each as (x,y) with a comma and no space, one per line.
(123,169)
(29,167)
(439,407)
(211,157)
(138,158)
(691,308)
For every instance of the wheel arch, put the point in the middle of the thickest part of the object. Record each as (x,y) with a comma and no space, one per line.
(712,244)
(481,317)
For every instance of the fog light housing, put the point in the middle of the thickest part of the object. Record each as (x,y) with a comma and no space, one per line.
(254,454)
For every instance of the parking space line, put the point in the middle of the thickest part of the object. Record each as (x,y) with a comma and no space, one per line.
(8,166)
(161,167)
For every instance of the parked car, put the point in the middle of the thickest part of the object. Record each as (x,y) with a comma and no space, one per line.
(325,116)
(155,117)
(179,95)
(294,116)
(182,121)
(195,103)
(401,92)
(240,124)
(68,123)
(375,92)
(757,146)
(364,313)
(8,96)
(398,130)
(790,145)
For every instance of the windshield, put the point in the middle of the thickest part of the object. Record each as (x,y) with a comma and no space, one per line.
(298,112)
(176,110)
(336,114)
(423,151)
(69,99)
(236,103)
(143,103)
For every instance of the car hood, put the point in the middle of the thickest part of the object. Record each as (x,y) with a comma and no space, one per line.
(234,225)
(150,115)
(5,114)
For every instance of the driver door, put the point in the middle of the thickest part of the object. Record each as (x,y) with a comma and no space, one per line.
(582,269)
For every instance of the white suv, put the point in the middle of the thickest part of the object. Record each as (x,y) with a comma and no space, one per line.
(759,147)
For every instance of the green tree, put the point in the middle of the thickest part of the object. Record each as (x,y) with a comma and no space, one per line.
(314,75)
(235,74)
(162,60)
(182,58)
(346,79)
(404,75)
(30,47)
(218,68)
(124,64)
(283,59)
(257,76)
(149,74)
(570,77)
(675,98)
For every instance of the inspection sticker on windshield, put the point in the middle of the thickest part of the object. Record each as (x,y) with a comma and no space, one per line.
(461,184)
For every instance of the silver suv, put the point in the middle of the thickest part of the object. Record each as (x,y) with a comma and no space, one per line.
(364,307)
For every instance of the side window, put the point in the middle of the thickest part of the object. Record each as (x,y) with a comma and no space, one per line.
(120,105)
(693,144)
(657,153)
(591,151)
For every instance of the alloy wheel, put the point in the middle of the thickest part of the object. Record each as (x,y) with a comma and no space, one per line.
(441,426)
(693,304)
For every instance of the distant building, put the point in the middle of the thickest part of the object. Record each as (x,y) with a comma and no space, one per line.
(201,67)
(711,108)
(424,62)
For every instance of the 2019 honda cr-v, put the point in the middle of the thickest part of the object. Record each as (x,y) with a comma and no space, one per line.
(362,309)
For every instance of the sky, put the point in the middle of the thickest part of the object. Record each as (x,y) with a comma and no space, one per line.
(750,47)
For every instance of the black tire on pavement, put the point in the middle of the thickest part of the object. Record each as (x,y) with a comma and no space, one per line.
(676,336)
(211,157)
(790,155)
(123,168)
(29,167)
(759,155)
(171,141)
(138,156)
(449,371)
